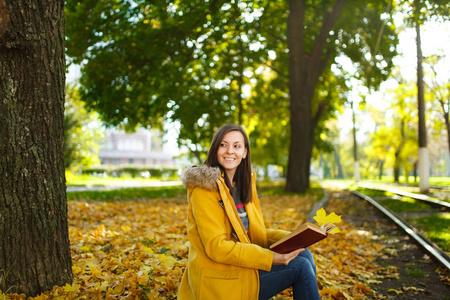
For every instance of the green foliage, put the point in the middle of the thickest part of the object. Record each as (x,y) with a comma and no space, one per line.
(144,60)
(393,144)
(147,288)
(203,64)
(269,127)
(328,154)
(82,133)
(425,10)
(438,113)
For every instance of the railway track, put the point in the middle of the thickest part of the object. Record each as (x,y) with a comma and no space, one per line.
(419,197)
(432,249)
(440,192)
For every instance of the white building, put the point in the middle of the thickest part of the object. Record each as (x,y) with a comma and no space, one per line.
(144,147)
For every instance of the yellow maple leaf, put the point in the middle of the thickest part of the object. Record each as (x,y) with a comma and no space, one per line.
(322,218)
(167,260)
(148,250)
(102,286)
(42,296)
(70,288)
(116,290)
(334,230)
(85,248)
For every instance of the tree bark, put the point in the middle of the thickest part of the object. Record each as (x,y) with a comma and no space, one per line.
(34,240)
(424,164)
(380,172)
(356,173)
(396,173)
(445,105)
(338,163)
(398,151)
(420,92)
(304,71)
(300,106)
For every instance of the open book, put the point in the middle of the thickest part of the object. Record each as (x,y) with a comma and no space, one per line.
(304,236)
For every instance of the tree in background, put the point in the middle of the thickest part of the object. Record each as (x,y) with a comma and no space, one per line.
(379,144)
(82,133)
(34,237)
(197,65)
(330,151)
(269,113)
(378,150)
(420,11)
(317,34)
(394,139)
(145,63)
(440,108)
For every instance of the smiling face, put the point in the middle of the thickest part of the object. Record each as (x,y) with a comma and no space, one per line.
(231,152)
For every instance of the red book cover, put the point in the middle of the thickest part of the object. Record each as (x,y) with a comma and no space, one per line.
(304,236)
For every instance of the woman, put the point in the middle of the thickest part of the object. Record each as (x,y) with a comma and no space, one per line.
(228,255)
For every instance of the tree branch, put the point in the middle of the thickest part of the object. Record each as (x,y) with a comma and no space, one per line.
(330,19)
(315,119)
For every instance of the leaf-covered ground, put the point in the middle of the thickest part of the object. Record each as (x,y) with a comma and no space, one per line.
(138,250)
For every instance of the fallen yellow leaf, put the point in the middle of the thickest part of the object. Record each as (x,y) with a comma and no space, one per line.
(70,288)
(395,291)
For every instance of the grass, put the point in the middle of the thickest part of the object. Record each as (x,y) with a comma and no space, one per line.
(405,204)
(371,192)
(433,180)
(415,272)
(278,188)
(270,187)
(436,228)
(129,194)
(395,203)
(91,180)
(136,193)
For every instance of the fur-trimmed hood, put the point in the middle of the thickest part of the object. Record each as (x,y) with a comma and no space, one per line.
(201,176)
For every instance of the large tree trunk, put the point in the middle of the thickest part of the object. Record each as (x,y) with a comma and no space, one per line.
(34,242)
(300,106)
(304,71)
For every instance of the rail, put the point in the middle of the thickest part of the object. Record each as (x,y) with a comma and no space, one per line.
(429,246)
(419,197)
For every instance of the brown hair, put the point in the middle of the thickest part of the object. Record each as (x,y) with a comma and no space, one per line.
(243,175)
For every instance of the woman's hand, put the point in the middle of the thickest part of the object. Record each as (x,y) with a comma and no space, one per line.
(284,259)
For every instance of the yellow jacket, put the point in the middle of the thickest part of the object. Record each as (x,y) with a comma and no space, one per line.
(221,266)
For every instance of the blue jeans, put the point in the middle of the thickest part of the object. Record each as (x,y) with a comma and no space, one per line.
(300,273)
